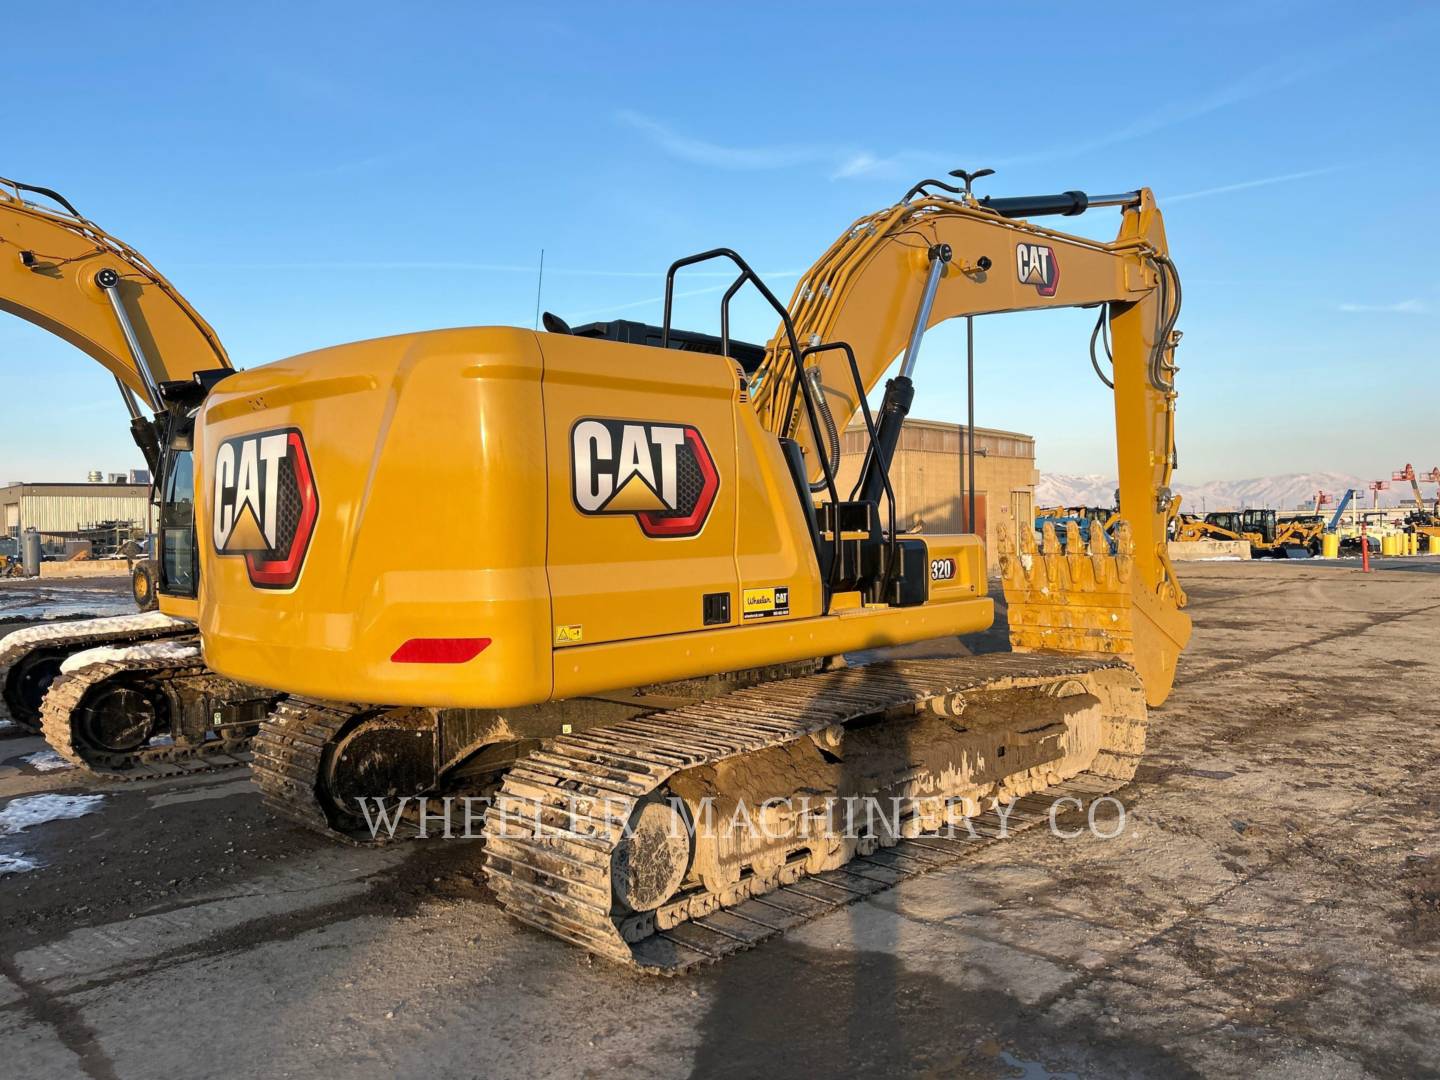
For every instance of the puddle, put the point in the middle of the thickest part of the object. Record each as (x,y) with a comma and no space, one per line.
(1031,1070)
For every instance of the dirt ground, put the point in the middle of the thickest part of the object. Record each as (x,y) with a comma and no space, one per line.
(1271,909)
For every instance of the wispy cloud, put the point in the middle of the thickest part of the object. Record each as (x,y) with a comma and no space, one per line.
(1260,82)
(469,267)
(1400,307)
(839,162)
(1245,185)
(704,152)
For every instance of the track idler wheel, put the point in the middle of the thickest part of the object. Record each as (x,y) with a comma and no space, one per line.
(118,719)
(650,863)
(27,683)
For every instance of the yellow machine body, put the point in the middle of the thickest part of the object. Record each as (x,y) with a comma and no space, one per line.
(444,473)
(450,556)
(491,520)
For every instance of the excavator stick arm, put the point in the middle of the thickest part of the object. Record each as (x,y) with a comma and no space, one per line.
(867,289)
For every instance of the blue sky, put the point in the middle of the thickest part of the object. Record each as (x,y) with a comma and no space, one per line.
(309,174)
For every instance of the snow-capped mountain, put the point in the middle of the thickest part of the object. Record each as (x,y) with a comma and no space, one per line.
(1286,492)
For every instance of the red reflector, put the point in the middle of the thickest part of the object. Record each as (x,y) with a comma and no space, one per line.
(439,650)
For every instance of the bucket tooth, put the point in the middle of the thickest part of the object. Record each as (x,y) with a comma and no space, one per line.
(1099,544)
(1051,543)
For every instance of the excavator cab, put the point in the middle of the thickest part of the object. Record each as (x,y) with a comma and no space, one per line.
(176,560)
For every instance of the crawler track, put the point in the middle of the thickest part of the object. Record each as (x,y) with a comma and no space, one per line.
(289,756)
(183,681)
(65,638)
(554,836)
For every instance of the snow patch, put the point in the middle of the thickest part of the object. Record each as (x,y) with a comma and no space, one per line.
(150,620)
(31,810)
(149,650)
(47,761)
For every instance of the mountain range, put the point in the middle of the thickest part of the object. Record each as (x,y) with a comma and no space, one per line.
(1286,492)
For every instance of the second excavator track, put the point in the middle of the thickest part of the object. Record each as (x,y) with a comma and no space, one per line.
(179,675)
(556,838)
(67,638)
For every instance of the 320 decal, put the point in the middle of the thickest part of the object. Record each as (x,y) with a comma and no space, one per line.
(660,474)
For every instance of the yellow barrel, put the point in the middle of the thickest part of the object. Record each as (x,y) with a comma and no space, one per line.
(1330,545)
(1387,544)
(1434,544)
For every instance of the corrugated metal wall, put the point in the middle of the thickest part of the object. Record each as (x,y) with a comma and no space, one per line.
(66,513)
(32,506)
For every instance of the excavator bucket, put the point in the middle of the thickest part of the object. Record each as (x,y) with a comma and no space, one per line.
(1090,602)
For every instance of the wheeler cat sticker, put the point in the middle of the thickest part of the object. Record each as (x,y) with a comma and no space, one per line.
(264,504)
(1035,264)
(766,603)
(660,474)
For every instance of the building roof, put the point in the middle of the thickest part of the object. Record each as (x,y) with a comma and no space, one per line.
(937,436)
(15,490)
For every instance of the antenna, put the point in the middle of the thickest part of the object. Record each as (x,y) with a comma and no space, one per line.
(539,284)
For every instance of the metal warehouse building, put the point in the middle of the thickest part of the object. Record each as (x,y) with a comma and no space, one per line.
(56,509)
(926,477)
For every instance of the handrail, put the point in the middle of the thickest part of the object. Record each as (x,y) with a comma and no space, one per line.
(749,275)
(893,545)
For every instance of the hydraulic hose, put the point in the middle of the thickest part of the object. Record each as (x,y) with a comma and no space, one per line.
(832,434)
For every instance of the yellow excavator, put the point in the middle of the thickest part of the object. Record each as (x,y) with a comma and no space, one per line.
(130,694)
(604,576)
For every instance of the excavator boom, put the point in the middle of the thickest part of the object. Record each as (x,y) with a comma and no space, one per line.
(66,274)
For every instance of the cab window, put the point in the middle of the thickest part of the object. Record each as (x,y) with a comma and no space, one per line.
(179,563)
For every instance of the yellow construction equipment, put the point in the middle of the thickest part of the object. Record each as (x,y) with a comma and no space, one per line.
(134,695)
(1424,520)
(609,583)
(1268,537)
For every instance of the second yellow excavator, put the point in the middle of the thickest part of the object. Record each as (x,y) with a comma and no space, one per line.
(604,575)
(127,695)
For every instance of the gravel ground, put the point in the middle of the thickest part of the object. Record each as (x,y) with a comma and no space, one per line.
(1272,908)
